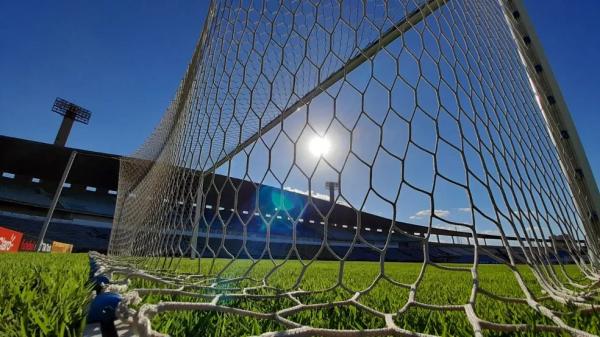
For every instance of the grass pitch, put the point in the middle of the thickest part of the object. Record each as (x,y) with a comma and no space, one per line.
(43,294)
(47,295)
(437,287)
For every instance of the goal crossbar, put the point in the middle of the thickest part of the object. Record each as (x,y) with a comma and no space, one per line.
(394,32)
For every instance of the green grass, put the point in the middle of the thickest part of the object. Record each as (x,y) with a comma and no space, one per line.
(437,287)
(43,294)
(47,295)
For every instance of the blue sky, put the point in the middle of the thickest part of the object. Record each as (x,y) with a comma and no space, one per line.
(124,60)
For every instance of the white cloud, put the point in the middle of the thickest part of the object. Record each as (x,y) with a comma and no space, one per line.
(491,232)
(425,213)
(465,209)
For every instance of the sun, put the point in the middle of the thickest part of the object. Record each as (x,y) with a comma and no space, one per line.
(319,146)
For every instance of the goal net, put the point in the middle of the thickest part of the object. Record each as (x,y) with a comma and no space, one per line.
(333,168)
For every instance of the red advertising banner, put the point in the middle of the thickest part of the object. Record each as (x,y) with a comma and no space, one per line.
(27,245)
(9,240)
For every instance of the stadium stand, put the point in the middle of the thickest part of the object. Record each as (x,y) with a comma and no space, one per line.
(30,175)
(84,214)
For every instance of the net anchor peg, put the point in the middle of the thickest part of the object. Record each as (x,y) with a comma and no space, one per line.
(103,310)
(103,307)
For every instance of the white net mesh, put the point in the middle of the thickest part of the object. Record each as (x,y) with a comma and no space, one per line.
(422,121)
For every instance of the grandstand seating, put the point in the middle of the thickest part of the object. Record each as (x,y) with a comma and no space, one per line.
(76,200)
(84,237)
(87,202)
(94,235)
(27,194)
(83,215)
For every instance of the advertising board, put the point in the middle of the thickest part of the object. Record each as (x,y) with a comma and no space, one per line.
(10,240)
(61,247)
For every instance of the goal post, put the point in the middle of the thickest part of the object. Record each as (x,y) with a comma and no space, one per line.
(560,124)
(313,147)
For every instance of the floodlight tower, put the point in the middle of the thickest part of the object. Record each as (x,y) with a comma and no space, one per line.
(70,112)
(332,186)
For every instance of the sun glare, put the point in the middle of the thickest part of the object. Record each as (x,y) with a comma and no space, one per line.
(319,146)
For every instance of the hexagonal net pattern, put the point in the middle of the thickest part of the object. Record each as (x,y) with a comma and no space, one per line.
(309,135)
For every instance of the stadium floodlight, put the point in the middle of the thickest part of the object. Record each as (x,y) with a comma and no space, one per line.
(71,113)
(332,186)
(447,124)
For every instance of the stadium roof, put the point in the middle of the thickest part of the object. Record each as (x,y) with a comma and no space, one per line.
(47,162)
